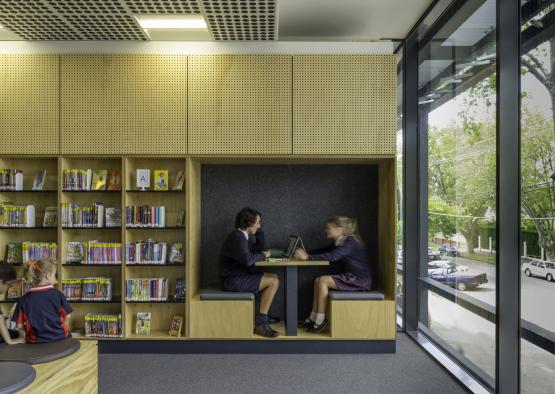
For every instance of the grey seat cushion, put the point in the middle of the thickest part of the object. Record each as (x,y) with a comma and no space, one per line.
(356,295)
(217,294)
(38,353)
(15,376)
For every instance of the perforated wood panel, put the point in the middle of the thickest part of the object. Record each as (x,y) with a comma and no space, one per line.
(29,104)
(126,104)
(240,104)
(83,121)
(344,104)
(148,103)
(163,6)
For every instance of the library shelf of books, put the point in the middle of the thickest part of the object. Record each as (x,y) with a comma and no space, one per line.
(92,216)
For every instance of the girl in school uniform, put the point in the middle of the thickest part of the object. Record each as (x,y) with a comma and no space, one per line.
(43,310)
(347,249)
(243,247)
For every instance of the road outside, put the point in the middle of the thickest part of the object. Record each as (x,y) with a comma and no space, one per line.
(537,294)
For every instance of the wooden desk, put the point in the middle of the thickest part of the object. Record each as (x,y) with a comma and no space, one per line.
(291,271)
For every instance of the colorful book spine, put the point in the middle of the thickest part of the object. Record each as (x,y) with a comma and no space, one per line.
(146,252)
(103,325)
(76,179)
(75,215)
(103,253)
(12,215)
(88,289)
(145,216)
(147,289)
(39,251)
(7,178)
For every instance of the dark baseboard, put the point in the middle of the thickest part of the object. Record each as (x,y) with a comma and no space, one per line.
(247,347)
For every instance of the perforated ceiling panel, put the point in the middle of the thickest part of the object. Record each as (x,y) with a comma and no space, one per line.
(113,19)
(243,20)
(163,6)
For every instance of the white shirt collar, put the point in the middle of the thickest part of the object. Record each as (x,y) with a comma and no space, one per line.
(245,233)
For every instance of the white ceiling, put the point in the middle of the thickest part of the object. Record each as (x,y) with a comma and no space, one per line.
(298,20)
(347,20)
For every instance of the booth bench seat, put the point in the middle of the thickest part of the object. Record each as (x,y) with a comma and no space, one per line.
(361,315)
(219,314)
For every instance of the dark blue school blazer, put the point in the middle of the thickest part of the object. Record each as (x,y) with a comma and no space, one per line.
(238,254)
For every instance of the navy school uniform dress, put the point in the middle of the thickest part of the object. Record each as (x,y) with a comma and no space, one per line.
(43,310)
(237,257)
(354,258)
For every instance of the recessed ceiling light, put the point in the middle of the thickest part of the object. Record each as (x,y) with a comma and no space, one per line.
(171,22)
(1,27)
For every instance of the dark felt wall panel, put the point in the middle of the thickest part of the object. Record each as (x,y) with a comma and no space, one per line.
(293,199)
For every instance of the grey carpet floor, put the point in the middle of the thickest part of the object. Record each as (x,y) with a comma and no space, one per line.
(410,370)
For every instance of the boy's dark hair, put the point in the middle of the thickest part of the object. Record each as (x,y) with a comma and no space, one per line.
(246,218)
(7,272)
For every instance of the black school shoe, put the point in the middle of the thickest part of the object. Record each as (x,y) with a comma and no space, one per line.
(273,319)
(265,330)
(307,325)
(318,328)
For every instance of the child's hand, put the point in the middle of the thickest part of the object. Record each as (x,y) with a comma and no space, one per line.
(15,341)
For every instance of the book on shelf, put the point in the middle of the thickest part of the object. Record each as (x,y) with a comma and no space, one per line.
(180,218)
(176,253)
(146,252)
(76,251)
(14,253)
(142,325)
(103,252)
(87,289)
(39,251)
(179,181)
(143,178)
(145,216)
(77,179)
(99,179)
(147,289)
(15,290)
(103,325)
(50,217)
(113,217)
(38,182)
(12,215)
(75,215)
(114,181)
(11,179)
(175,326)
(160,179)
(180,289)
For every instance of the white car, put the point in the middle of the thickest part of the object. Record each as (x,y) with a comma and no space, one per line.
(544,269)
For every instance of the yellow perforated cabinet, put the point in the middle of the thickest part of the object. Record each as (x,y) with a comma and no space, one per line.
(344,104)
(240,104)
(123,104)
(29,104)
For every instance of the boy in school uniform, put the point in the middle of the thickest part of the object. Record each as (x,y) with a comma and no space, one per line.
(243,247)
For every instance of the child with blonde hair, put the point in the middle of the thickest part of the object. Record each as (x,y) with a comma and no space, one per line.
(43,310)
(348,250)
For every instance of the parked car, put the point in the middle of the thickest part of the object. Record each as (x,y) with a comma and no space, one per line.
(454,278)
(433,256)
(544,269)
(442,264)
(449,250)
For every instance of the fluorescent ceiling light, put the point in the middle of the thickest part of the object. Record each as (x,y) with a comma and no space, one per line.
(1,27)
(425,102)
(171,22)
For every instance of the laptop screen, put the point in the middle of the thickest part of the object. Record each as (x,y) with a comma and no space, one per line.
(293,241)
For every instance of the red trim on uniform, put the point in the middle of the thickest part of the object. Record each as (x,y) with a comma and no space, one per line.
(40,288)
(63,315)
(30,335)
